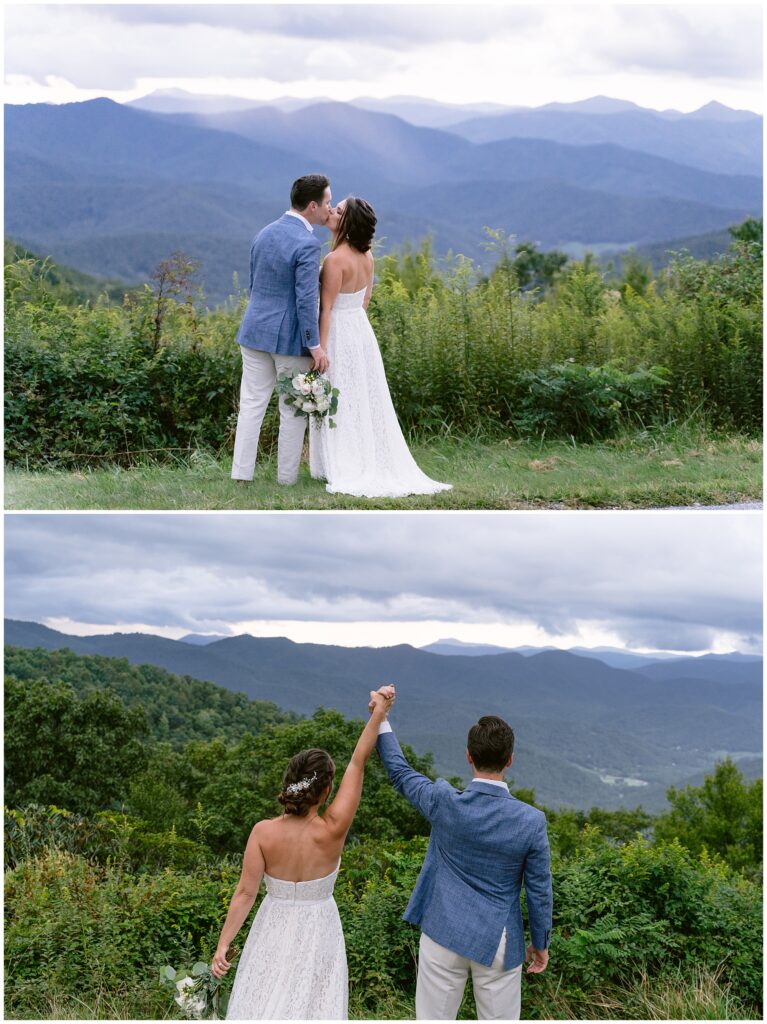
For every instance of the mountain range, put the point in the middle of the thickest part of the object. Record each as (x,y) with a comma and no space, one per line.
(111,189)
(617,657)
(588,733)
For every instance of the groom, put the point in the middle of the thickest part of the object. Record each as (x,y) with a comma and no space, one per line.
(484,844)
(279,331)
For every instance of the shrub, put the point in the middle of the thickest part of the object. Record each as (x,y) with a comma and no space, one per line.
(96,383)
(588,403)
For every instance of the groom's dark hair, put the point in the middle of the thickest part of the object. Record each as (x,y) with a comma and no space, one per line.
(309,189)
(490,744)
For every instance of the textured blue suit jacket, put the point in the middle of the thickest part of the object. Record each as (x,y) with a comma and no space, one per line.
(484,843)
(282,314)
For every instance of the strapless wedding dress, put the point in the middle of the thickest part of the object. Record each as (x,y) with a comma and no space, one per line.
(366,454)
(293,964)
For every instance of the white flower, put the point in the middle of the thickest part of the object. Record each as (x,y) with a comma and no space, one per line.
(305,388)
(298,381)
(193,1004)
(318,388)
(323,404)
(308,406)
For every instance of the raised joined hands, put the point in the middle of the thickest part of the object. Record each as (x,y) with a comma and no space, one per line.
(383,698)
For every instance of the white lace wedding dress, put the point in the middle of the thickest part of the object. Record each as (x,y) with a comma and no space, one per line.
(293,964)
(366,454)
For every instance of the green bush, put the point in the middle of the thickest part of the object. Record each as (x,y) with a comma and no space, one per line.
(723,816)
(589,403)
(654,907)
(109,837)
(79,926)
(621,915)
(97,383)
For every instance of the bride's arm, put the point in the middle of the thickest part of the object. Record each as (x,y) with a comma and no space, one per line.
(340,814)
(330,285)
(242,901)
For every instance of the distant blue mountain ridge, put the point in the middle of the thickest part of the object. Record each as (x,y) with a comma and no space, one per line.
(588,733)
(111,189)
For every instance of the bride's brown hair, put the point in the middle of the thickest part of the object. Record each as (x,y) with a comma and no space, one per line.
(357,225)
(308,775)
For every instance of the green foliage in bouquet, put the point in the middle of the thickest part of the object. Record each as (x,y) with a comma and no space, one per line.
(199,993)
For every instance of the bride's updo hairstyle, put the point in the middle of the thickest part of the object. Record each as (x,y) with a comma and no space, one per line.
(357,225)
(308,775)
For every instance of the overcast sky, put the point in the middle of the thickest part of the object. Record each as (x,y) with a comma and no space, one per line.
(676,582)
(657,55)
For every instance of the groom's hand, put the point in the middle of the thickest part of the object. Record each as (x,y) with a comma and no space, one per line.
(540,958)
(320,361)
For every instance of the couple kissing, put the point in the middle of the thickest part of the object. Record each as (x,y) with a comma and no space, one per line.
(484,846)
(301,318)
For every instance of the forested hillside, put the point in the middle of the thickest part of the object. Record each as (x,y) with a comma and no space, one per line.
(587,733)
(113,189)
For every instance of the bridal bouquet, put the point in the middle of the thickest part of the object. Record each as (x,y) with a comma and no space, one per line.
(198,991)
(311,394)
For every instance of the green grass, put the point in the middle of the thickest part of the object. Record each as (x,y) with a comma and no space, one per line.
(699,997)
(650,470)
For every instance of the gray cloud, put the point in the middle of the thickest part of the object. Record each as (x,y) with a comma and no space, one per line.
(672,582)
(111,47)
(700,41)
(389,25)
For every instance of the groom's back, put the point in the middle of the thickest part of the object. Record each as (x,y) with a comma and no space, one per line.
(484,846)
(273,252)
(281,315)
(486,833)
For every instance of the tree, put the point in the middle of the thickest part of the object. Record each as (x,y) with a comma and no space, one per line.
(636,273)
(724,816)
(751,230)
(75,753)
(242,782)
(173,277)
(536,269)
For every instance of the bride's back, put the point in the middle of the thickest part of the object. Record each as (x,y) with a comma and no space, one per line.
(356,268)
(298,849)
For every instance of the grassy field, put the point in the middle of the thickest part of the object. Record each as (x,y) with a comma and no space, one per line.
(678,468)
(668,998)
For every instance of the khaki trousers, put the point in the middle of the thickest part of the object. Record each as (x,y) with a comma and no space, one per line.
(259,376)
(442,977)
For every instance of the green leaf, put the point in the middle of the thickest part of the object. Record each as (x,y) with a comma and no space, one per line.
(199,968)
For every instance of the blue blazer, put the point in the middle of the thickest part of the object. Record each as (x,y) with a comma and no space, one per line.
(484,843)
(282,315)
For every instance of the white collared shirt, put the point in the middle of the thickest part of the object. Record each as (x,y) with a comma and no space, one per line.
(493,782)
(300,216)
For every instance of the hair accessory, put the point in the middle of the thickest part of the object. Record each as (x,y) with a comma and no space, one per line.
(298,787)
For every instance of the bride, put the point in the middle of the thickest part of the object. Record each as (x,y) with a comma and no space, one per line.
(366,454)
(293,965)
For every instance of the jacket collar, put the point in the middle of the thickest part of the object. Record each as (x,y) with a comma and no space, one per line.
(487,787)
